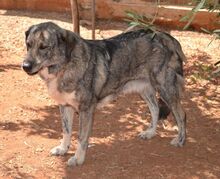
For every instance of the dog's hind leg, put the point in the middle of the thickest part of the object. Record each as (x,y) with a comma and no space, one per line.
(149,96)
(171,96)
(85,128)
(180,118)
(67,119)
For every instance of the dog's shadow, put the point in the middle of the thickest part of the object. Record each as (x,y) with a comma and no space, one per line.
(48,125)
(115,149)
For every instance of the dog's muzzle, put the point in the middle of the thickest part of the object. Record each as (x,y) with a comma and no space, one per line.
(29,68)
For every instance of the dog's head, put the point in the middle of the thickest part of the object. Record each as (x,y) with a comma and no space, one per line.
(48,45)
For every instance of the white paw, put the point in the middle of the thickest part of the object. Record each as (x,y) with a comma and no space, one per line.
(72,161)
(58,150)
(148,134)
(177,142)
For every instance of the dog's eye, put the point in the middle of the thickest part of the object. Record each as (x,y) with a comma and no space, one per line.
(43,47)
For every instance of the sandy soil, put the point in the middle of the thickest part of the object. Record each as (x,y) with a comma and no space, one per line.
(30,124)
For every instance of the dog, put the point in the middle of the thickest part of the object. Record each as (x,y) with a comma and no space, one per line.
(82,75)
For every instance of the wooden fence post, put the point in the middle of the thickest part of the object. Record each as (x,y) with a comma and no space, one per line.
(93,19)
(75,16)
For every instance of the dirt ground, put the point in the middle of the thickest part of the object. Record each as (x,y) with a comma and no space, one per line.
(30,124)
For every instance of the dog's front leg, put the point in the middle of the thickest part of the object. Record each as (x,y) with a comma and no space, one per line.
(85,128)
(67,113)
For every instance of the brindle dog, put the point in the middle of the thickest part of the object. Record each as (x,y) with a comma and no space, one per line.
(84,74)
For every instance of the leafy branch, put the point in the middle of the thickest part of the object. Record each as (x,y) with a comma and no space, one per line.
(191,15)
(144,21)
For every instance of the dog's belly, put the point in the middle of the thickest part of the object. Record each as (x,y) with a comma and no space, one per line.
(133,86)
(62,98)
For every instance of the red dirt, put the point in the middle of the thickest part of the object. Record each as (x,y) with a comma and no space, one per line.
(30,124)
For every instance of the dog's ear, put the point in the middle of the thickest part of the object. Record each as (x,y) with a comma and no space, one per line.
(28,32)
(70,40)
(26,36)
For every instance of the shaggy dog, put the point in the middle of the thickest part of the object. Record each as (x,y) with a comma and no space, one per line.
(84,74)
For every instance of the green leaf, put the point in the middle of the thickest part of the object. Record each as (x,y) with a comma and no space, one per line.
(191,15)
(214,38)
(129,14)
(184,18)
(127,20)
(205,30)
(134,23)
(199,6)
(189,22)
(216,31)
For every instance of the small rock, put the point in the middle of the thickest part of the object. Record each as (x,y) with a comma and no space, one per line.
(39,149)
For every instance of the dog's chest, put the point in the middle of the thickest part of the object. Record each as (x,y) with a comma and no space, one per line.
(62,98)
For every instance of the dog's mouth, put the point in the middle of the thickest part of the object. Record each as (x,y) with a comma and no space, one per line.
(37,70)
(34,72)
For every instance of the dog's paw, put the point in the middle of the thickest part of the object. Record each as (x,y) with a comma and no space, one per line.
(148,134)
(177,142)
(73,161)
(58,150)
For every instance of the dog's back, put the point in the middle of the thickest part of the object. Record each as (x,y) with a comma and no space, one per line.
(141,54)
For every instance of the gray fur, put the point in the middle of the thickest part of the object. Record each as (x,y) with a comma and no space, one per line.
(67,114)
(83,74)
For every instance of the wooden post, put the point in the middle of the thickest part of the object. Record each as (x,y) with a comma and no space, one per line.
(75,16)
(93,19)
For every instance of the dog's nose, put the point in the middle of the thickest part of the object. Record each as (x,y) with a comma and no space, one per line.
(27,66)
